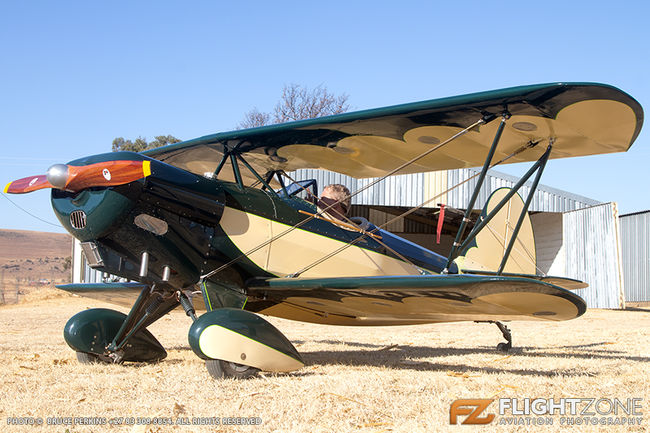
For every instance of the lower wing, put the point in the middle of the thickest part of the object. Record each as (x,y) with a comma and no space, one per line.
(396,300)
(563,282)
(123,294)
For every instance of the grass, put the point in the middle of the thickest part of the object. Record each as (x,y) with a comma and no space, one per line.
(355,379)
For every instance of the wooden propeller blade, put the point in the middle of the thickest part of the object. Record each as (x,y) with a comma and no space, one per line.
(109,173)
(27,184)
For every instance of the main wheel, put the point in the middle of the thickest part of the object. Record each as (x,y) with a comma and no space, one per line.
(93,358)
(219,369)
(88,358)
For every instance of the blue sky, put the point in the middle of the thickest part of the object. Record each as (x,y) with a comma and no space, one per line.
(75,75)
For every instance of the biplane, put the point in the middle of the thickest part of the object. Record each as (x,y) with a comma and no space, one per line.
(217,224)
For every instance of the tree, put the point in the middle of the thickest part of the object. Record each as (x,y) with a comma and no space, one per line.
(297,103)
(140,143)
(120,144)
(255,118)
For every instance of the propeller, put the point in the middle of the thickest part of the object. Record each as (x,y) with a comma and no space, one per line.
(74,178)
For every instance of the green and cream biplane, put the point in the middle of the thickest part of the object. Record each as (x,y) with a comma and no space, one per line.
(216,224)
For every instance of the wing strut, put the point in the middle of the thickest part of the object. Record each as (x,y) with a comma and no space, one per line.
(538,168)
(528,145)
(488,159)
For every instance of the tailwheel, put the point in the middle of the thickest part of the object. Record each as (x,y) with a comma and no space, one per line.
(507,345)
(504,347)
(219,369)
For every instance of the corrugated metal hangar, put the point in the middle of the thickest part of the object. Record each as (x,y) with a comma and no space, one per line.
(635,244)
(575,237)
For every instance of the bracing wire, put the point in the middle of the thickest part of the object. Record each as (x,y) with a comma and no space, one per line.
(410,211)
(29,213)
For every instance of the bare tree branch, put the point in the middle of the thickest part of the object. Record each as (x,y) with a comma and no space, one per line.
(297,103)
(254,118)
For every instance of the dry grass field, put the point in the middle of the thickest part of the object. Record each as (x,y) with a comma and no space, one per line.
(396,379)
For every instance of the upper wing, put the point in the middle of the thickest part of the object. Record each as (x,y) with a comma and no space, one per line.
(415,299)
(583,118)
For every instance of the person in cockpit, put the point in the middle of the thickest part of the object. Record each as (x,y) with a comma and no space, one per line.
(335,201)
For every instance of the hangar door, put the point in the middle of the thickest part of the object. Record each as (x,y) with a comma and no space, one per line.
(593,254)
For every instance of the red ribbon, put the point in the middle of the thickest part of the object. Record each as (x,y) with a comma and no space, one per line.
(441,220)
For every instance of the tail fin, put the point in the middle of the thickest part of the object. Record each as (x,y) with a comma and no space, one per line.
(490,244)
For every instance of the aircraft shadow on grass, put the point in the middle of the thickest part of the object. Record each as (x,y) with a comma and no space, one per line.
(419,358)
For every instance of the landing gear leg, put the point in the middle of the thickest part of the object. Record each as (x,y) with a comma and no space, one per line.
(150,306)
(218,368)
(109,336)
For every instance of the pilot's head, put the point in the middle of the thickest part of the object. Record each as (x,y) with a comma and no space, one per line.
(338,197)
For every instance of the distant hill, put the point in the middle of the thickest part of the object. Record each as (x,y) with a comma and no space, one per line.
(27,256)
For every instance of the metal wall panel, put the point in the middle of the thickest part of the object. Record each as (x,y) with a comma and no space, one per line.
(414,189)
(635,252)
(78,262)
(549,245)
(593,254)
(546,199)
(435,185)
(93,276)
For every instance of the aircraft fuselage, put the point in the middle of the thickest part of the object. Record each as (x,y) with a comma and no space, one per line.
(193,225)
